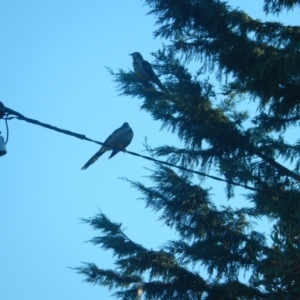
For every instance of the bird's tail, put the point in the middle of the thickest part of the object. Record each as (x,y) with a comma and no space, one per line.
(160,85)
(93,159)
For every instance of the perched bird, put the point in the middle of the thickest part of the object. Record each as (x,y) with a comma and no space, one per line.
(116,142)
(144,70)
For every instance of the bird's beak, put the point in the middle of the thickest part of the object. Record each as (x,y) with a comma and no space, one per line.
(130,54)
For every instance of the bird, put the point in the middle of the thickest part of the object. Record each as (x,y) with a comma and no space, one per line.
(116,142)
(144,70)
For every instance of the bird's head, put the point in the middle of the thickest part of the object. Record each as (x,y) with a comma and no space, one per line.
(125,125)
(136,56)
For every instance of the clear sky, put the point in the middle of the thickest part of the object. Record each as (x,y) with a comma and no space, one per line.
(52,68)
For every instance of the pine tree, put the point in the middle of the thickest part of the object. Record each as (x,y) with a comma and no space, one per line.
(257,62)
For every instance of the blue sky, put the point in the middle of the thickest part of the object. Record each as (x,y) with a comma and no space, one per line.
(52,68)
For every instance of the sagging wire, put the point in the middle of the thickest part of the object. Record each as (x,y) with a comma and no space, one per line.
(4,115)
(7,129)
(7,117)
(16,115)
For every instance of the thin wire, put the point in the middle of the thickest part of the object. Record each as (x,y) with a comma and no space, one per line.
(7,130)
(83,137)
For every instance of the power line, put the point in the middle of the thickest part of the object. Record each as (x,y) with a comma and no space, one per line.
(19,116)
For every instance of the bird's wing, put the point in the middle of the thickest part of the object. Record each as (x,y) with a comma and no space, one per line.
(148,68)
(152,75)
(104,148)
(119,139)
(110,141)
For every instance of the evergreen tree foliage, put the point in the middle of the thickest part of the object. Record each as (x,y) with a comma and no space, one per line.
(257,62)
